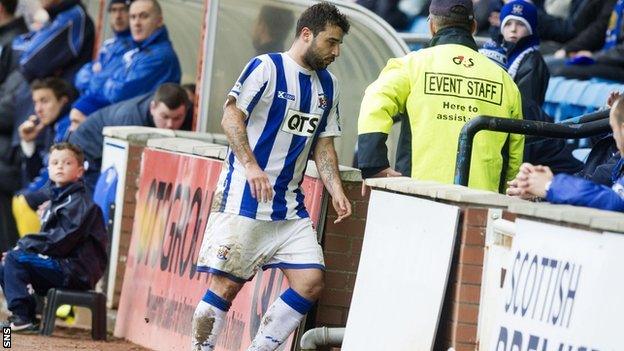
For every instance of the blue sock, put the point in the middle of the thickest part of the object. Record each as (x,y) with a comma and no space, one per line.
(217,301)
(296,301)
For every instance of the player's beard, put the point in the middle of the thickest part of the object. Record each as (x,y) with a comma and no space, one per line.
(312,58)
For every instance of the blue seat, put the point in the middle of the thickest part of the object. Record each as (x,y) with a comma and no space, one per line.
(104,193)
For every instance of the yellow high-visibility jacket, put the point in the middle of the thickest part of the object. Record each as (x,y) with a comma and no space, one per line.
(441,88)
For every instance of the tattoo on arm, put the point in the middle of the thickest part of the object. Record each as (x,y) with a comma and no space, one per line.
(236,132)
(327,165)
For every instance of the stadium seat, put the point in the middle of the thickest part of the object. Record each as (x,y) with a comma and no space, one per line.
(94,301)
(104,193)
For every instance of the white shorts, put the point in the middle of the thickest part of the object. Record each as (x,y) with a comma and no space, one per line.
(236,246)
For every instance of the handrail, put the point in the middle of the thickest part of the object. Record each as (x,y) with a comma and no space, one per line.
(526,127)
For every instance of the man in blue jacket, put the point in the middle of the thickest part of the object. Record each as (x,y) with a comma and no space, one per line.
(566,189)
(151,62)
(167,108)
(69,252)
(60,47)
(92,75)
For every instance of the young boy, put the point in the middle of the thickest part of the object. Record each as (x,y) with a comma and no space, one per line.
(516,49)
(566,189)
(69,252)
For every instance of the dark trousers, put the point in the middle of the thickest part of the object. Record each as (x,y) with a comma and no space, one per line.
(21,268)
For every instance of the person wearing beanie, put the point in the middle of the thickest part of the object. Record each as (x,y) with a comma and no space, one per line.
(441,88)
(517,46)
(520,40)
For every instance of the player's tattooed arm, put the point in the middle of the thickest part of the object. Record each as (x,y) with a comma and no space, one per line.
(327,165)
(233,124)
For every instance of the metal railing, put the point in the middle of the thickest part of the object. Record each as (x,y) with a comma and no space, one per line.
(584,126)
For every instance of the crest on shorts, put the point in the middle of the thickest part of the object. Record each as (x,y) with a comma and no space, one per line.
(222,252)
(322,100)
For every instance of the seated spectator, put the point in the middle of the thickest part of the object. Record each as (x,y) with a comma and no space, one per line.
(167,108)
(566,189)
(10,27)
(110,58)
(389,11)
(49,125)
(60,47)
(580,16)
(517,50)
(150,63)
(69,252)
(593,54)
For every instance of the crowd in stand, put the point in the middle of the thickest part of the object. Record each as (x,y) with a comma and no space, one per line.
(55,101)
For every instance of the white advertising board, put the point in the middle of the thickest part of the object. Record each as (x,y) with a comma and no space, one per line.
(115,153)
(402,275)
(562,291)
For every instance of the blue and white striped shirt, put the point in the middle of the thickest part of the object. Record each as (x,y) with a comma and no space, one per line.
(287,107)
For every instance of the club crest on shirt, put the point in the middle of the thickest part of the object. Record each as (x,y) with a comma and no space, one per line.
(222,252)
(322,101)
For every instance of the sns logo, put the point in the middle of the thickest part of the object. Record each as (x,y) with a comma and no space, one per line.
(458,60)
(299,123)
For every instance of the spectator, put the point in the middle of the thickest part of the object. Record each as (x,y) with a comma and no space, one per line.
(441,88)
(566,189)
(167,108)
(517,50)
(92,75)
(10,27)
(271,29)
(51,98)
(581,15)
(388,10)
(150,63)
(60,47)
(69,252)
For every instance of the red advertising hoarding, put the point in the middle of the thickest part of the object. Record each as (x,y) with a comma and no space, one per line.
(161,284)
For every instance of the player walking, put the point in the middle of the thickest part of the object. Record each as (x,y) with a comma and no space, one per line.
(283,108)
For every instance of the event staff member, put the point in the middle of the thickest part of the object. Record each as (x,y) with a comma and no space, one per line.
(282,109)
(441,88)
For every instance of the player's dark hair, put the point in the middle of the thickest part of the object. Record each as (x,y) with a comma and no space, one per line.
(317,17)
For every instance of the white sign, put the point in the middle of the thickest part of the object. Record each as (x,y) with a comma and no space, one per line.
(115,154)
(562,292)
(401,280)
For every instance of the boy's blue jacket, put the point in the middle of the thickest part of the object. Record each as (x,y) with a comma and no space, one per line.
(72,231)
(567,189)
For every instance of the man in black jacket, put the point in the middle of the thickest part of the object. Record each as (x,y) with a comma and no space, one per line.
(10,27)
(69,252)
(167,108)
